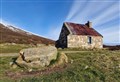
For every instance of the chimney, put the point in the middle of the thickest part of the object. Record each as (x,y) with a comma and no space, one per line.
(89,24)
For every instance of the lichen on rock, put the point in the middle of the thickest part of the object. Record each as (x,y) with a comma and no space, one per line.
(36,57)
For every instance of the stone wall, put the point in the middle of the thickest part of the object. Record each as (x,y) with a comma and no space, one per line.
(62,42)
(81,41)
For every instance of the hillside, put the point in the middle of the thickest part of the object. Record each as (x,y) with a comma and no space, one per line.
(115,47)
(10,34)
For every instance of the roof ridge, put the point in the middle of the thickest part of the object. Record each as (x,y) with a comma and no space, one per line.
(74,23)
(81,29)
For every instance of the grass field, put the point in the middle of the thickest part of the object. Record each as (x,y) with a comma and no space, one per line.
(94,66)
(12,48)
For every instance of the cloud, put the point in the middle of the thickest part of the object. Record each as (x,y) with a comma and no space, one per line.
(77,6)
(97,11)
(82,11)
(101,13)
(54,32)
(113,37)
(107,14)
(111,34)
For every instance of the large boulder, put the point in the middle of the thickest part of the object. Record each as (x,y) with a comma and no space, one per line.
(36,57)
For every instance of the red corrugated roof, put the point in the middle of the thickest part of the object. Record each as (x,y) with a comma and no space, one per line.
(81,29)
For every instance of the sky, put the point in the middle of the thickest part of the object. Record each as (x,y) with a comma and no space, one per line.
(46,17)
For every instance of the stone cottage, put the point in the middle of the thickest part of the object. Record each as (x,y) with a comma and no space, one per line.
(79,36)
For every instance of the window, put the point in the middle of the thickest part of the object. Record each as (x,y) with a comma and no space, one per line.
(89,39)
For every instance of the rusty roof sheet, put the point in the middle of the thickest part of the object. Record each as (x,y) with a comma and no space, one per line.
(81,29)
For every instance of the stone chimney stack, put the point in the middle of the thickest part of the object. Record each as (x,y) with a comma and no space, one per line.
(89,24)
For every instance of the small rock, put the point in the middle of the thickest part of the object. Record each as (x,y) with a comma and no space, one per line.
(71,61)
(30,70)
(11,63)
(86,67)
(21,70)
(14,66)
(119,66)
(63,58)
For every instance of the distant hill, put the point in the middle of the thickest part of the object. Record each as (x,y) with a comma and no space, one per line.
(115,47)
(11,34)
